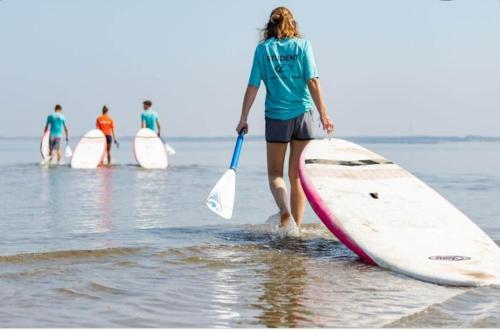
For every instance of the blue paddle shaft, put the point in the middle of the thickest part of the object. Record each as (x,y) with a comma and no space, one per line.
(236,153)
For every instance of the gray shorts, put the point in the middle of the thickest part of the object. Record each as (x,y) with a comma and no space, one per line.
(55,143)
(298,128)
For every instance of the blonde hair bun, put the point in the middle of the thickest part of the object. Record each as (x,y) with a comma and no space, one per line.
(281,24)
(276,18)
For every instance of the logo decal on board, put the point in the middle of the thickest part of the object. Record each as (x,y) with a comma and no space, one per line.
(449,258)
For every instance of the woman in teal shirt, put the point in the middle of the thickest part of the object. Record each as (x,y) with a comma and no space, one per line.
(285,62)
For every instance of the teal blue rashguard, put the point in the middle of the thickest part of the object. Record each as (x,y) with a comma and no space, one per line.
(150,118)
(285,65)
(57,122)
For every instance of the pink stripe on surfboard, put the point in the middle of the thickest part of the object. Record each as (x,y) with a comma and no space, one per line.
(326,216)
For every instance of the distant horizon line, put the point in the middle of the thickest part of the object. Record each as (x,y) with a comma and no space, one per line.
(357,138)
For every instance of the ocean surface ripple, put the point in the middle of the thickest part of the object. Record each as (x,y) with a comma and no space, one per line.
(126,247)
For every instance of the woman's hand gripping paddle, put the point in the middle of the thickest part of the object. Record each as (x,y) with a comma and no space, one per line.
(221,199)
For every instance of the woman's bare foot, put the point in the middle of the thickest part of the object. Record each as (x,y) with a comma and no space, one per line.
(283,225)
(284,219)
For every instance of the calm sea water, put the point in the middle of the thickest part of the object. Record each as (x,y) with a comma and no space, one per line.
(126,247)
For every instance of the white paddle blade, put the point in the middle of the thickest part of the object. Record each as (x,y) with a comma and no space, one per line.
(68,152)
(169,149)
(221,199)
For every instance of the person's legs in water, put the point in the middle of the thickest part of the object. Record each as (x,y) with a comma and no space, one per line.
(109,140)
(51,148)
(297,197)
(59,153)
(55,145)
(276,152)
(109,153)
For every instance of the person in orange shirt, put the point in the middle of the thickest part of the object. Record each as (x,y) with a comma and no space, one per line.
(106,124)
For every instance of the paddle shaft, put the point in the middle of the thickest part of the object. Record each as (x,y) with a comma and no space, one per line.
(236,153)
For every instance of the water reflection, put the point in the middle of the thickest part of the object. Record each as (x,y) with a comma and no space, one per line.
(225,296)
(44,195)
(283,300)
(105,193)
(149,203)
(88,199)
(53,191)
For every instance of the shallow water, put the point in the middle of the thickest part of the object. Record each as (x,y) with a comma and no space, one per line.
(126,247)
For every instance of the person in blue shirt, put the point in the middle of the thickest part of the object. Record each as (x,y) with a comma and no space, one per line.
(285,63)
(57,123)
(149,118)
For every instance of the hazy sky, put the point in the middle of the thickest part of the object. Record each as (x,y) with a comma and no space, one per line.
(388,67)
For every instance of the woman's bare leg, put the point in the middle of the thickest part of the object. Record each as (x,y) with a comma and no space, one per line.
(109,154)
(297,197)
(275,160)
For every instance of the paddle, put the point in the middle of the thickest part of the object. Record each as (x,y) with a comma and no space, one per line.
(221,198)
(168,148)
(68,152)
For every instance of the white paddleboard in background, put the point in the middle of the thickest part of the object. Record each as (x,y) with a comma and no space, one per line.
(90,151)
(390,218)
(45,150)
(149,150)
(45,145)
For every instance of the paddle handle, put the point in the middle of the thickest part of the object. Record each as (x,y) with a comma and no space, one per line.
(237,150)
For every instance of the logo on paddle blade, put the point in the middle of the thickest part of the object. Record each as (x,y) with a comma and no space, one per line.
(214,202)
(449,258)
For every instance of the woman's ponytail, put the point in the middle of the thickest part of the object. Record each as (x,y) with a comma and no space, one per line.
(281,24)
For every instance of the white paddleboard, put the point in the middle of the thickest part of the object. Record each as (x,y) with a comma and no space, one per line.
(90,151)
(149,150)
(45,150)
(390,218)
